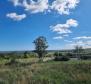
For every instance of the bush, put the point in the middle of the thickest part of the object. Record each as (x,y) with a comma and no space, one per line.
(49,55)
(12,62)
(85,57)
(30,55)
(69,54)
(58,54)
(1,55)
(61,58)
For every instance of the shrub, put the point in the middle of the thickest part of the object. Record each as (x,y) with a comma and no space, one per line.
(61,58)
(49,55)
(58,54)
(85,57)
(1,55)
(32,55)
(12,62)
(69,54)
(25,54)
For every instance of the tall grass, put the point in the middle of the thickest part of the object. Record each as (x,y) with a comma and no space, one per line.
(78,72)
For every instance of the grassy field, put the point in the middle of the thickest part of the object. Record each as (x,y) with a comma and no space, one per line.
(70,72)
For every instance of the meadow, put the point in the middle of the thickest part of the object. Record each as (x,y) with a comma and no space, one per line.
(51,72)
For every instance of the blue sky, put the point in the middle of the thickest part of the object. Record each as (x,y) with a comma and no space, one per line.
(65,23)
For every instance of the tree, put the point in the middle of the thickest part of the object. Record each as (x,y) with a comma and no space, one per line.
(40,46)
(25,54)
(78,50)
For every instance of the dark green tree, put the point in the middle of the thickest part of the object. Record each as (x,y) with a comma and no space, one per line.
(40,46)
(25,54)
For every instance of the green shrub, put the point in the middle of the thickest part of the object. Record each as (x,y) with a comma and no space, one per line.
(61,58)
(69,54)
(58,54)
(85,57)
(49,55)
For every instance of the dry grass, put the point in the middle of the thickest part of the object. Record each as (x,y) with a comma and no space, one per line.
(71,72)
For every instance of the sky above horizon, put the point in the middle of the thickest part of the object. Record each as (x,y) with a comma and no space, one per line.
(64,23)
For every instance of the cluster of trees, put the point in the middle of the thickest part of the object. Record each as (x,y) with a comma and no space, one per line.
(78,53)
(16,55)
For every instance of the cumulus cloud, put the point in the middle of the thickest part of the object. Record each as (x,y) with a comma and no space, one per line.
(16,17)
(64,6)
(72,23)
(61,6)
(32,6)
(64,28)
(61,29)
(35,7)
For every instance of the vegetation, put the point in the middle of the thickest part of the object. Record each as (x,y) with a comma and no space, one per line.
(57,67)
(61,58)
(78,49)
(40,46)
(70,72)
(58,54)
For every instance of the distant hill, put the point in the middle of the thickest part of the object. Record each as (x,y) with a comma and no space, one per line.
(66,50)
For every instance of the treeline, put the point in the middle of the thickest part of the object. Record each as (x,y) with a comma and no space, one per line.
(16,55)
(80,56)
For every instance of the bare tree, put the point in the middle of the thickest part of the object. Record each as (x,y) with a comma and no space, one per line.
(78,50)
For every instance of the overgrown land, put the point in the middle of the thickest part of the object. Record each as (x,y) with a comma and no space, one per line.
(43,67)
(70,72)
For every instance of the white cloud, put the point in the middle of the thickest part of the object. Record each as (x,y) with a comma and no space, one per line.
(58,37)
(72,44)
(15,2)
(72,23)
(61,36)
(35,7)
(16,17)
(32,6)
(64,6)
(64,28)
(82,37)
(86,44)
(68,41)
(83,41)
(61,28)
(61,6)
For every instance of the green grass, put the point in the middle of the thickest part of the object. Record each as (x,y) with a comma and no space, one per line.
(70,72)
